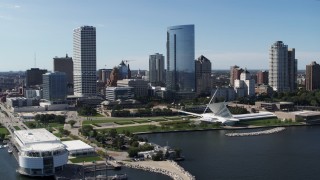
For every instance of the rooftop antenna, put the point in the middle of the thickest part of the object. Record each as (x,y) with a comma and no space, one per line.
(35,60)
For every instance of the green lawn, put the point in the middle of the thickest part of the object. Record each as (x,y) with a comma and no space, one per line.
(4,130)
(124,122)
(85,159)
(134,129)
(267,122)
(16,127)
(141,121)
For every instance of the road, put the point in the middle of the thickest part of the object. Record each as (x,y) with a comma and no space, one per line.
(10,121)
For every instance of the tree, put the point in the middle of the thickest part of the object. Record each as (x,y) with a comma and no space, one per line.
(113,133)
(72,122)
(158,156)
(85,130)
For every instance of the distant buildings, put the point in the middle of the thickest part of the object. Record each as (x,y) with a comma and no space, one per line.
(34,76)
(262,77)
(54,86)
(235,72)
(119,93)
(84,55)
(180,76)
(124,71)
(246,83)
(64,64)
(203,75)
(312,76)
(282,68)
(156,69)
(140,87)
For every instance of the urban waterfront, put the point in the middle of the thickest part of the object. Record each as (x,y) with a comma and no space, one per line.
(289,154)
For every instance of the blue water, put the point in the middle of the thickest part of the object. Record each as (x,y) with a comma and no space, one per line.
(291,154)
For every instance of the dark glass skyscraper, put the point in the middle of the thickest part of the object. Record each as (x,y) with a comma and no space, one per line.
(54,86)
(180,61)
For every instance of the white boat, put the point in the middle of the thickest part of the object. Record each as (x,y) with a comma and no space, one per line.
(9,150)
(1,146)
(6,145)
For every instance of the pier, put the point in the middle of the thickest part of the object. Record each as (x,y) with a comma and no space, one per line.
(269,131)
(168,168)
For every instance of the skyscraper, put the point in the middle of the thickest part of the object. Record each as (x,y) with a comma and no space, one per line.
(54,86)
(84,55)
(64,64)
(34,76)
(235,72)
(282,68)
(203,75)
(312,76)
(156,69)
(180,76)
(262,77)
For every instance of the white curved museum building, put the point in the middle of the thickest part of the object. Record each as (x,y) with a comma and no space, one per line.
(40,152)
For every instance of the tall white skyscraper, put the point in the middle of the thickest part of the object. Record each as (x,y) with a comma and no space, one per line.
(282,68)
(84,58)
(156,69)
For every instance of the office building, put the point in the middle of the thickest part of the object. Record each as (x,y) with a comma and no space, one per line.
(312,76)
(282,68)
(119,93)
(156,69)
(34,76)
(203,75)
(235,72)
(246,83)
(180,75)
(84,56)
(54,86)
(262,77)
(64,64)
(140,87)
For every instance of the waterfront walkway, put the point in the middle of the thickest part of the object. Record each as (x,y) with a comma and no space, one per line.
(169,168)
(269,131)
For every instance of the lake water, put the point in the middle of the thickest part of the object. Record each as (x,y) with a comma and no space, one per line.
(291,154)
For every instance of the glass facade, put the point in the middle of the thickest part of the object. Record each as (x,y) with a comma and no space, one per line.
(180,60)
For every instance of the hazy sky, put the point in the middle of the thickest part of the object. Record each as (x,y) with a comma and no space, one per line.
(228,32)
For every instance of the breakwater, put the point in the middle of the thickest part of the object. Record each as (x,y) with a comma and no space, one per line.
(269,131)
(171,169)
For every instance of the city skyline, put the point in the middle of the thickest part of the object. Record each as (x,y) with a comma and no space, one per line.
(227,33)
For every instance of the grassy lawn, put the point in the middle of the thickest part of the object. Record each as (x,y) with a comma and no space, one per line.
(66,139)
(85,159)
(267,122)
(124,122)
(4,130)
(134,129)
(16,127)
(141,121)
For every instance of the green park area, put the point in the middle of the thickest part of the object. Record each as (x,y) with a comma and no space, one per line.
(268,122)
(4,130)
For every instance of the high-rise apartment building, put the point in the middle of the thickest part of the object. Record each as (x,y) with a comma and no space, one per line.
(84,56)
(203,75)
(180,76)
(235,72)
(34,76)
(312,76)
(282,68)
(156,69)
(246,83)
(262,77)
(64,64)
(54,86)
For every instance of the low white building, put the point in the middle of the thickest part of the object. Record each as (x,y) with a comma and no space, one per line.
(40,152)
(78,148)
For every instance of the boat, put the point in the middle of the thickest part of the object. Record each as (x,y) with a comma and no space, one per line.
(9,150)
(1,146)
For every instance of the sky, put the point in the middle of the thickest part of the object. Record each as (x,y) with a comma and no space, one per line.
(227,32)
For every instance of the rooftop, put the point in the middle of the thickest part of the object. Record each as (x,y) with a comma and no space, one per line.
(31,136)
(76,145)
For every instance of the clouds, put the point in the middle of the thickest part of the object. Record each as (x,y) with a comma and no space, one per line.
(9,6)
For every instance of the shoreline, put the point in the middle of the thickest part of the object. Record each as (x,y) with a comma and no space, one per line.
(229,128)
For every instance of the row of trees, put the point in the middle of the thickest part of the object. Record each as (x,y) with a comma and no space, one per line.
(143,113)
(50,118)
(87,111)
